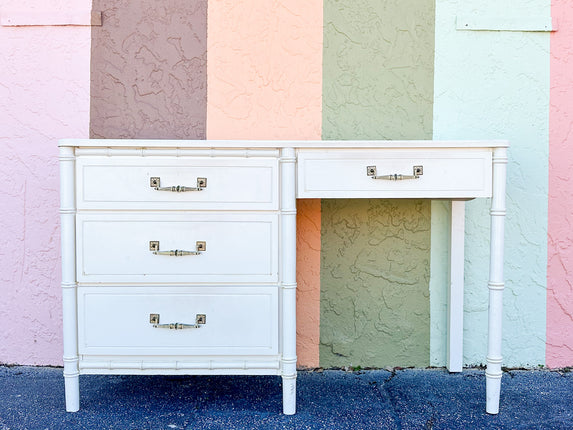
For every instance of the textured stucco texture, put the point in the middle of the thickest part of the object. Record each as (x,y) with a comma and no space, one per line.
(378,69)
(495,85)
(44,95)
(377,84)
(265,82)
(559,350)
(149,70)
(374,295)
(308,281)
(265,69)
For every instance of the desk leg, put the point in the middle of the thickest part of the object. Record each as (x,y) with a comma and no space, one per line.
(494,359)
(456,288)
(288,278)
(69,286)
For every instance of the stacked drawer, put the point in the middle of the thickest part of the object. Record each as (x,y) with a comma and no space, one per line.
(177,256)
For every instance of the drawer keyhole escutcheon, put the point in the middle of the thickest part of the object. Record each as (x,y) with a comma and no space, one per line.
(200,319)
(417,171)
(200,246)
(155,183)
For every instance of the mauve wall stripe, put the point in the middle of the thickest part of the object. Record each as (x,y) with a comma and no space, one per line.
(149,70)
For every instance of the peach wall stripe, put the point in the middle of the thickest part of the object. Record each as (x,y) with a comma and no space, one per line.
(308,281)
(559,351)
(264,62)
(264,81)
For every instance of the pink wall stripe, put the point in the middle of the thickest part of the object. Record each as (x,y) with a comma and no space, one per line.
(44,96)
(264,81)
(559,351)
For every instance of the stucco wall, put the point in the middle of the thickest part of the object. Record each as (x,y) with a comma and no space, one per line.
(308,251)
(495,85)
(149,70)
(375,273)
(560,236)
(377,84)
(44,95)
(265,69)
(378,69)
(265,82)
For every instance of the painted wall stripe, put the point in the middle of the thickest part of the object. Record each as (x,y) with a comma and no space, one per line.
(308,248)
(378,84)
(265,82)
(44,96)
(495,85)
(148,70)
(265,66)
(378,69)
(560,235)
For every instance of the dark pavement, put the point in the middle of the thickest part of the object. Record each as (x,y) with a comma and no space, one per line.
(33,398)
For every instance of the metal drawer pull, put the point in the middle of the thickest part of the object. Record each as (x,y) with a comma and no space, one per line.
(176,253)
(417,172)
(200,319)
(200,246)
(155,182)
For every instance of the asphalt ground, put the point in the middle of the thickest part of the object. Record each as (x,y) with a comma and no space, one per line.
(33,398)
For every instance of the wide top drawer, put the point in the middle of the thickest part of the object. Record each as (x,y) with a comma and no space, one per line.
(395,173)
(177,183)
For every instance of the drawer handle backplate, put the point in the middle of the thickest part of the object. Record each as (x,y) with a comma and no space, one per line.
(200,246)
(417,172)
(200,319)
(155,183)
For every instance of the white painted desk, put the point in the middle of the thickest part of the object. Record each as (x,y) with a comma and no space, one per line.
(125,205)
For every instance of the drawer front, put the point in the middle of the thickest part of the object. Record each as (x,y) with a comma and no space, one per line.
(447,173)
(126,183)
(238,320)
(115,247)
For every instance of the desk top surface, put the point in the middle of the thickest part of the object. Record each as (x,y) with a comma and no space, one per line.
(298,144)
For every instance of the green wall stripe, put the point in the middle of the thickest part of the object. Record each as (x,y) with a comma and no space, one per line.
(375,261)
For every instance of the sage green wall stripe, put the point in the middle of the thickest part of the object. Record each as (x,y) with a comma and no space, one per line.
(375,261)
(378,63)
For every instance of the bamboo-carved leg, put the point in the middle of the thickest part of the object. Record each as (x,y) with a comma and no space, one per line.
(68,232)
(496,285)
(288,278)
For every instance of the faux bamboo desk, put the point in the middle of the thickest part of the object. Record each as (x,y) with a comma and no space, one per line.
(179,257)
